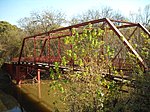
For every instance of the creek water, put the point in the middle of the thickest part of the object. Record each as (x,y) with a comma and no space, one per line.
(28,97)
(7,102)
(37,97)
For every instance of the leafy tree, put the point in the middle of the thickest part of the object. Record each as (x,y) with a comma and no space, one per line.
(105,12)
(146,15)
(87,91)
(143,16)
(42,22)
(10,41)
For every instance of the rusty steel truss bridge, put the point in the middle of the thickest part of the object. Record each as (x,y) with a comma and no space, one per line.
(47,48)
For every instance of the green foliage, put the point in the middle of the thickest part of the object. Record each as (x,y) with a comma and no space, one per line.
(139,98)
(85,46)
(55,72)
(10,41)
(87,90)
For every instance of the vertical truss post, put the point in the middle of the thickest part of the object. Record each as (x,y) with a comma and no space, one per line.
(23,43)
(106,39)
(34,50)
(59,49)
(39,75)
(42,50)
(71,47)
(48,49)
(18,75)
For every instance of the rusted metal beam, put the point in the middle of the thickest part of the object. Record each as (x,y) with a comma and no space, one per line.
(39,75)
(42,50)
(48,49)
(144,29)
(39,36)
(121,21)
(59,48)
(23,43)
(34,50)
(126,43)
(69,27)
(66,31)
(126,26)
(122,47)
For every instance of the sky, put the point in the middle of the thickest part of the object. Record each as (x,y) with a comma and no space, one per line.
(13,10)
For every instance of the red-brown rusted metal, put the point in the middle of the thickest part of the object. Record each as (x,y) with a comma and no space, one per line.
(34,55)
(23,43)
(39,75)
(48,56)
(59,49)
(144,29)
(48,50)
(42,49)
